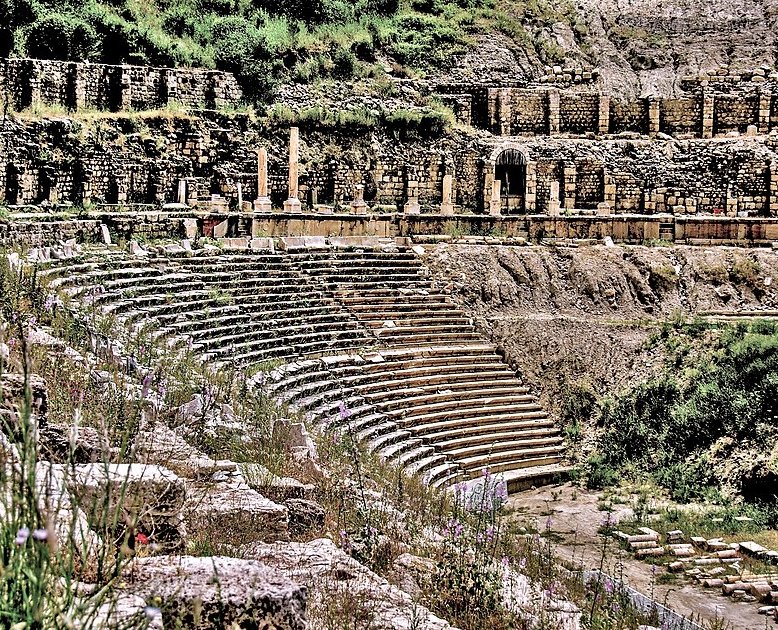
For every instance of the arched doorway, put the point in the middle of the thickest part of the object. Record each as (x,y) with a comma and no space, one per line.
(510,169)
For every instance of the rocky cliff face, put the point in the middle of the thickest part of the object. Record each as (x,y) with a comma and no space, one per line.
(571,315)
(643,47)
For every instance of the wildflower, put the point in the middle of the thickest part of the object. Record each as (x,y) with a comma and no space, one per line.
(522,564)
(549,523)
(608,586)
(490,533)
(22,535)
(146,385)
(505,562)
(142,538)
(40,535)
(485,472)
(615,607)
(344,411)
(345,543)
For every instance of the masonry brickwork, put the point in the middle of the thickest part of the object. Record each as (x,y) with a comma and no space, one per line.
(77,86)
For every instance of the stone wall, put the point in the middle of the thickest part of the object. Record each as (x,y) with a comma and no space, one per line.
(28,82)
(62,161)
(520,111)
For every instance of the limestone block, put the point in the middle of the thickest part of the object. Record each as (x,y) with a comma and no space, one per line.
(218,592)
(58,506)
(105,234)
(412,206)
(234,511)
(190,228)
(220,230)
(262,244)
(304,516)
(150,497)
(325,569)
(302,242)
(293,435)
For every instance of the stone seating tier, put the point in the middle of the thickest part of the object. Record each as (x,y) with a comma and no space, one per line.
(366,329)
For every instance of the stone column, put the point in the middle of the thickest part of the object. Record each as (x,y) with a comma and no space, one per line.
(79,86)
(773,192)
(495,205)
(358,205)
(570,192)
(708,113)
(240,197)
(181,198)
(492,109)
(553,200)
(447,207)
(653,117)
(505,112)
(765,104)
(604,121)
(262,202)
(125,80)
(731,202)
(609,190)
(554,117)
(531,190)
(293,203)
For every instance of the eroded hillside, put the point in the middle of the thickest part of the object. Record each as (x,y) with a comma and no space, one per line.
(571,315)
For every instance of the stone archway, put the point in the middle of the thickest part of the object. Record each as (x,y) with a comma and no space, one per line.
(508,164)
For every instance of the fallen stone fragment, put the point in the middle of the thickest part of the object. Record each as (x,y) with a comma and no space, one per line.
(234,513)
(335,578)
(149,498)
(217,593)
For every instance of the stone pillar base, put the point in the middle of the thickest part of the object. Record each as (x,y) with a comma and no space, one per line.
(412,206)
(553,208)
(263,205)
(293,205)
(447,209)
(495,207)
(603,209)
(359,207)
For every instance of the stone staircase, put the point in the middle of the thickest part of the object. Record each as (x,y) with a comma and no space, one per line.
(366,340)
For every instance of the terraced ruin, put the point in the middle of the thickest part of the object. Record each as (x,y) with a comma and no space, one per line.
(419,315)
(365,339)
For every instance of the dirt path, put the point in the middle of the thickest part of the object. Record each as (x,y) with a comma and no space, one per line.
(573,515)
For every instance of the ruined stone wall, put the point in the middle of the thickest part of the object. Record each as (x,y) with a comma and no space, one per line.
(735,112)
(28,82)
(629,116)
(63,161)
(529,113)
(680,116)
(579,113)
(519,111)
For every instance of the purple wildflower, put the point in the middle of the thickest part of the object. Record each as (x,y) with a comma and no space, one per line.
(146,385)
(40,535)
(22,535)
(344,411)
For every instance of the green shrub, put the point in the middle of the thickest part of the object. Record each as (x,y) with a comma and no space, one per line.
(61,37)
(599,474)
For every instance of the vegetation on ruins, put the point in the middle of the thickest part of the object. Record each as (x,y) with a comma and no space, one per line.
(706,426)
(469,541)
(262,42)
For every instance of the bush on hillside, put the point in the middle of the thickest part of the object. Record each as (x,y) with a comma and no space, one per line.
(61,37)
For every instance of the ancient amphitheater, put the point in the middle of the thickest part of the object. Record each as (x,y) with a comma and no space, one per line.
(312,263)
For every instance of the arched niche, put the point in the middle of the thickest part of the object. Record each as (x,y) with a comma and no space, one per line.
(508,165)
